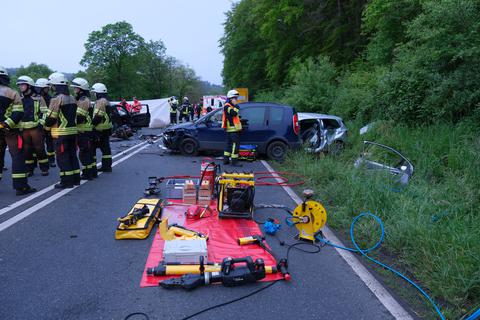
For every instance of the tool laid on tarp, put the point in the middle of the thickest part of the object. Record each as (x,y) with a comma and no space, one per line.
(168,269)
(176,232)
(236,195)
(139,221)
(233,272)
(197,212)
(152,189)
(308,217)
(282,265)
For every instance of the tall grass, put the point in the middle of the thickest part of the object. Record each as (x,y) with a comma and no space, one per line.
(432,225)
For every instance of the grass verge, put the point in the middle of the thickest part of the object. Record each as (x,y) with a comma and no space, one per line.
(432,225)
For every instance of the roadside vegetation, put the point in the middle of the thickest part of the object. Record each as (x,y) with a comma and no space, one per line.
(412,68)
(431,224)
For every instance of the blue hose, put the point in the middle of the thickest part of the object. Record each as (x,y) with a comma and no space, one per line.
(365,251)
(474,316)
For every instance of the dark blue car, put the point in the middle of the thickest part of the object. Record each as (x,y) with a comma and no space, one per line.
(272,127)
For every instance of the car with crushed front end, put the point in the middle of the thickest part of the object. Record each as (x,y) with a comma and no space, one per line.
(272,127)
(322,133)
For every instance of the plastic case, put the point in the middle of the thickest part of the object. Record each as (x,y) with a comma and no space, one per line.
(174,188)
(184,251)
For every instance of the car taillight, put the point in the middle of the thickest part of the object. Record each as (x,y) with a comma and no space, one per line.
(296,128)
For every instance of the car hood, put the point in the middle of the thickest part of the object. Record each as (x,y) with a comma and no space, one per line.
(186,125)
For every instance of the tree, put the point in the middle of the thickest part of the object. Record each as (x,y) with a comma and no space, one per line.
(33,70)
(113,52)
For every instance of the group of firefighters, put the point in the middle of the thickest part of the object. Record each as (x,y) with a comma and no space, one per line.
(185,112)
(37,128)
(33,120)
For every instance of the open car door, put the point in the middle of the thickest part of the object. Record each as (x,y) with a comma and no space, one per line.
(142,118)
(376,156)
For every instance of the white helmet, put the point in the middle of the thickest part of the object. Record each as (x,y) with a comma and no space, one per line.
(99,88)
(57,78)
(25,80)
(80,83)
(232,94)
(42,83)
(185,98)
(3,71)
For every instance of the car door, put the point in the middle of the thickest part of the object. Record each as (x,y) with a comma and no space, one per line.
(141,119)
(255,130)
(210,134)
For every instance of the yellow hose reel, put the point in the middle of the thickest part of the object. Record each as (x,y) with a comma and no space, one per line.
(309,217)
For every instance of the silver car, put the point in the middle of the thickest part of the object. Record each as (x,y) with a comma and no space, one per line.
(322,132)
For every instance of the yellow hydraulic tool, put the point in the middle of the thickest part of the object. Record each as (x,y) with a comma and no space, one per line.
(309,217)
(235,198)
(175,232)
(171,270)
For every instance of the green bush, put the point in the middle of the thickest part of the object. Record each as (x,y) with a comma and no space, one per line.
(313,85)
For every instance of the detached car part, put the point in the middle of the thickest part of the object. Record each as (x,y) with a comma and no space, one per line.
(376,156)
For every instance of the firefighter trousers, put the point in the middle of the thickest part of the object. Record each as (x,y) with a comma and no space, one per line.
(66,152)
(13,139)
(103,143)
(233,145)
(173,117)
(34,149)
(50,148)
(86,151)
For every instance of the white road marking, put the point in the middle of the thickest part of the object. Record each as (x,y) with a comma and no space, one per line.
(389,302)
(49,188)
(4,225)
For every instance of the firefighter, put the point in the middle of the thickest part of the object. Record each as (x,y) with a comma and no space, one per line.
(185,109)
(61,117)
(198,109)
(136,106)
(103,125)
(232,125)
(11,113)
(43,88)
(31,125)
(172,101)
(84,125)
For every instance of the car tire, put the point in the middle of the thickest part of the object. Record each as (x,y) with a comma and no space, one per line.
(336,148)
(277,150)
(189,147)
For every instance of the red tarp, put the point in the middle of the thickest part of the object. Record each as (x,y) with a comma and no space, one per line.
(222,241)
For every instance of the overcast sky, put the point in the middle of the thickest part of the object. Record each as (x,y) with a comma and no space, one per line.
(54,31)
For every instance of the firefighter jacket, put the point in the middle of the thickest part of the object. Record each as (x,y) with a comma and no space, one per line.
(231,118)
(101,115)
(11,107)
(185,108)
(33,104)
(173,107)
(44,110)
(84,118)
(62,116)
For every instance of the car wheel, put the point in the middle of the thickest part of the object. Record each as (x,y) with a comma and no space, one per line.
(336,148)
(189,147)
(277,150)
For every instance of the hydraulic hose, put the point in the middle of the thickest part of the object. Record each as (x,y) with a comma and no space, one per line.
(364,252)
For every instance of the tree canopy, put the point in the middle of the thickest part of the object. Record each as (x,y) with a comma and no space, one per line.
(415,61)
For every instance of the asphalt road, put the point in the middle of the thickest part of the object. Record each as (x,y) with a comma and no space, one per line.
(62,262)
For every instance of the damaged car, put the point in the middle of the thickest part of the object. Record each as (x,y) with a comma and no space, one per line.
(322,132)
(273,128)
(379,157)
